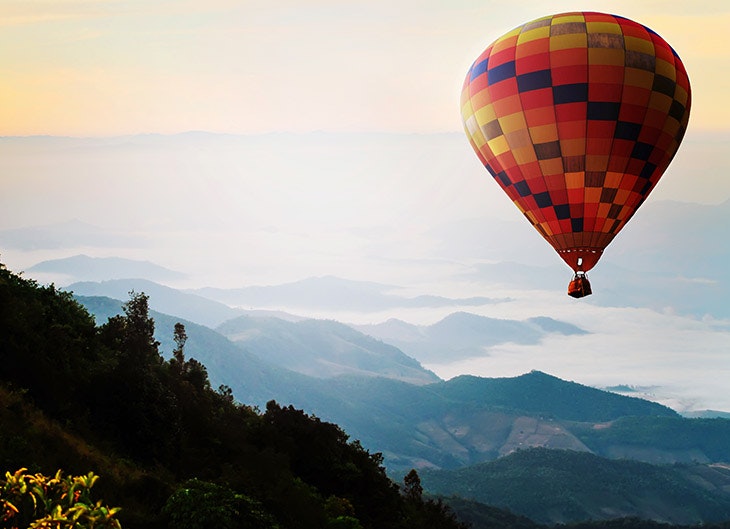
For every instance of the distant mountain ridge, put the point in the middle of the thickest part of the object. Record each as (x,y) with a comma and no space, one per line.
(459,335)
(323,349)
(567,400)
(330,292)
(105,268)
(162,299)
(464,335)
(255,381)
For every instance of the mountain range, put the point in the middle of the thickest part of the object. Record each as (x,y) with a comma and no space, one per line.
(459,335)
(463,335)
(103,268)
(544,448)
(322,349)
(163,299)
(332,293)
(537,445)
(485,434)
(431,424)
(327,292)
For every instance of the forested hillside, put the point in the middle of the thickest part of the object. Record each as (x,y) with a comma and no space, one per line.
(168,447)
(563,486)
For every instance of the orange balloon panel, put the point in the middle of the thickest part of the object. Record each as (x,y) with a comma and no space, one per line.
(576,116)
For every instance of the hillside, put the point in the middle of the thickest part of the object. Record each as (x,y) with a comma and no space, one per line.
(562,486)
(469,419)
(255,381)
(151,425)
(265,355)
(322,349)
(548,396)
(162,299)
(671,438)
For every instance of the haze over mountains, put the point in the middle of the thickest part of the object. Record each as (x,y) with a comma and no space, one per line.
(300,344)
(413,421)
(459,336)
(397,408)
(373,227)
(661,263)
(281,200)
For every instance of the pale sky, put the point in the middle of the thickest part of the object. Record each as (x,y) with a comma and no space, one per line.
(109,67)
(236,214)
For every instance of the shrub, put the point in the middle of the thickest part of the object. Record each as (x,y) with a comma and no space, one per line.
(38,501)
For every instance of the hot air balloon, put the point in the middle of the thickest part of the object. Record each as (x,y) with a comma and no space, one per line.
(576,116)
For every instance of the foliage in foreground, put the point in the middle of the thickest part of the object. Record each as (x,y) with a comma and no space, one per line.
(58,502)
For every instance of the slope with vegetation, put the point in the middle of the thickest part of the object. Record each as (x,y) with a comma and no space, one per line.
(170,450)
(563,486)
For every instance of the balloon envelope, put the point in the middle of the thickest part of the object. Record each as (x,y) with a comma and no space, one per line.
(576,116)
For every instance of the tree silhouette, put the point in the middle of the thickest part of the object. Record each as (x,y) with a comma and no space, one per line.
(139,336)
(412,488)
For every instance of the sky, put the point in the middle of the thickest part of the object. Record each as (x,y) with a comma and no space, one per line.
(231,212)
(109,67)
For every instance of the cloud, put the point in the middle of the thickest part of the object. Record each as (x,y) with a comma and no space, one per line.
(685,359)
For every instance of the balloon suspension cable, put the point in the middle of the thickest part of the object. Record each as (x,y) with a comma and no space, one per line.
(579,287)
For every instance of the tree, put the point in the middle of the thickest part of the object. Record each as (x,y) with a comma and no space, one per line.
(412,488)
(140,344)
(180,337)
(177,362)
(200,504)
(191,370)
(137,402)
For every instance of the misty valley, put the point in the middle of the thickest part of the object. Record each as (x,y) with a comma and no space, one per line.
(526,451)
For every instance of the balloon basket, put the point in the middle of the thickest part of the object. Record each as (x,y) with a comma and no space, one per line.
(579,287)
